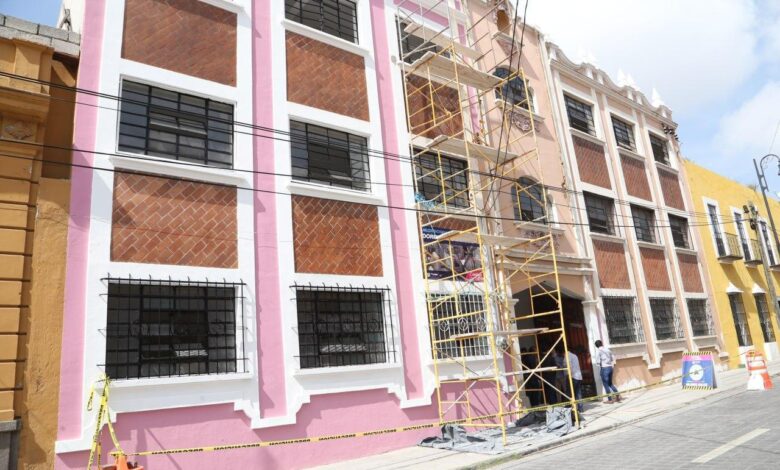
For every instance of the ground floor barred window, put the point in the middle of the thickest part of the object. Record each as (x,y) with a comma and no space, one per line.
(456,318)
(622,318)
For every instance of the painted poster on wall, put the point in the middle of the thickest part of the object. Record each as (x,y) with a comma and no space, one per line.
(465,261)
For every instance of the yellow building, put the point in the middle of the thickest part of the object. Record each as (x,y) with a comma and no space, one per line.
(734,262)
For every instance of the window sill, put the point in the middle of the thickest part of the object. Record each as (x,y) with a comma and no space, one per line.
(628,350)
(326,38)
(607,238)
(528,113)
(164,167)
(685,251)
(310,189)
(651,245)
(540,227)
(191,379)
(586,136)
(666,168)
(361,369)
(672,345)
(229,5)
(630,153)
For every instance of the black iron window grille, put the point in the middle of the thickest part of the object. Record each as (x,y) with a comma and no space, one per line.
(442,180)
(644,224)
(720,244)
(743,239)
(456,315)
(167,328)
(740,320)
(679,226)
(514,89)
(335,17)
(666,319)
(600,212)
(344,326)
(770,252)
(167,124)
(529,204)
(622,318)
(328,156)
(660,149)
(624,134)
(580,115)
(701,317)
(765,318)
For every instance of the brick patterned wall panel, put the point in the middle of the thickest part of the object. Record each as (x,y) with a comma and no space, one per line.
(611,264)
(670,185)
(689,271)
(185,36)
(431,118)
(635,177)
(326,77)
(591,162)
(166,221)
(334,237)
(654,265)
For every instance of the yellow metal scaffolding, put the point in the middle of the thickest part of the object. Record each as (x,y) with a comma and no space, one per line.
(466,166)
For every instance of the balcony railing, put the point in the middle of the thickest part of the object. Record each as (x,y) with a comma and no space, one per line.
(728,246)
(754,257)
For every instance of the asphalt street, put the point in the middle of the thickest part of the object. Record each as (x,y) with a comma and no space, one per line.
(740,431)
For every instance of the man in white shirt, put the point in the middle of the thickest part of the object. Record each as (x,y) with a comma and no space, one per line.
(606,361)
(576,378)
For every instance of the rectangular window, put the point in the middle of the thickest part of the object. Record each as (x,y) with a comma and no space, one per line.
(442,179)
(165,329)
(764,316)
(600,212)
(167,124)
(743,238)
(720,244)
(660,149)
(666,319)
(344,327)
(622,319)
(336,17)
(679,226)
(414,47)
(770,252)
(740,320)
(457,321)
(327,156)
(580,115)
(701,317)
(644,223)
(624,134)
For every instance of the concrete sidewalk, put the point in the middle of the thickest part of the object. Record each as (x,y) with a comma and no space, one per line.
(599,418)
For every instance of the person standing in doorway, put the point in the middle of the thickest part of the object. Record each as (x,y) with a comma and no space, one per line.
(576,378)
(606,362)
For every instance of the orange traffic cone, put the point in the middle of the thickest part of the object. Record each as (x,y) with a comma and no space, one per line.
(759,375)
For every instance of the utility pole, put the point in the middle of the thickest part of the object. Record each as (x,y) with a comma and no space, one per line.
(764,188)
(751,211)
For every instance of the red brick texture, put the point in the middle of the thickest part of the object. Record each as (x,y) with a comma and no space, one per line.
(334,237)
(166,221)
(635,177)
(654,265)
(689,271)
(184,36)
(326,77)
(670,185)
(591,162)
(433,117)
(611,264)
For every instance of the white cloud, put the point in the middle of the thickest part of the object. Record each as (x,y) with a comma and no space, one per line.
(749,130)
(693,52)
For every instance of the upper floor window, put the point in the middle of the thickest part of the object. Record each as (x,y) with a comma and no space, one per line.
(329,156)
(660,149)
(336,17)
(624,133)
(514,89)
(679,226)
(580,115)
(459,321)
(167,124)
(442,179)
(720,244)
(344,327)
(600,212)
(770,252)
(413,47)
(165,329)
(743,238)
(528,199)
(644,223)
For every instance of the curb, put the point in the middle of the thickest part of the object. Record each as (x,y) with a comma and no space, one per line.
(516,455)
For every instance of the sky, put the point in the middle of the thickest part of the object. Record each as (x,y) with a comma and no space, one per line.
(715,63)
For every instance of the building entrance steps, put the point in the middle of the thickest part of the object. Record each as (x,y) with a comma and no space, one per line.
(599,417)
